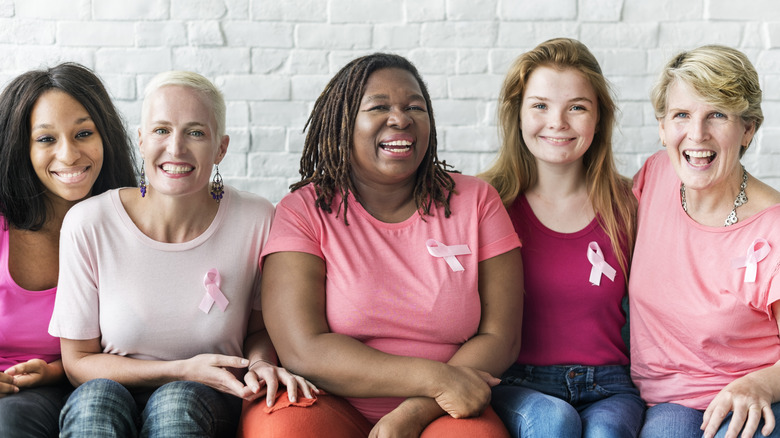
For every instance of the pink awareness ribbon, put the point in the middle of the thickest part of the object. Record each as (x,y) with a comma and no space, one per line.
(213,294)
(438,249)
(599,266)
(757,251)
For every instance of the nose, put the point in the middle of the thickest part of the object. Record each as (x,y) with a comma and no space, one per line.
(557,120)
(175,145)
(398,118)
(697,130)
(68,151)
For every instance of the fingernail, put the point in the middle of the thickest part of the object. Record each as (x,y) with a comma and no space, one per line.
(244,362)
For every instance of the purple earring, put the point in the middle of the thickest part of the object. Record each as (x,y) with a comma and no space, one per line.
(142,183)
(217,187)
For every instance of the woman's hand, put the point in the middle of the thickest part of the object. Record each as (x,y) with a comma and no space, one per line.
(750,399)
(402,422)
(465,391)
(264,378)
(210,370)
(36,372)
(7,386)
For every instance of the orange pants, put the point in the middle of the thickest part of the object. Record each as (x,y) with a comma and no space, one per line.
(333,417)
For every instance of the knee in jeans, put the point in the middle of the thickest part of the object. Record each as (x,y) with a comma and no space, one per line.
(99,394)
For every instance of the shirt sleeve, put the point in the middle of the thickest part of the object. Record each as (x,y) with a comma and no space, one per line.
(76,308)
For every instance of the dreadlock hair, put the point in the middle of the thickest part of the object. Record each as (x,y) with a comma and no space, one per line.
(326,159)
(515,170)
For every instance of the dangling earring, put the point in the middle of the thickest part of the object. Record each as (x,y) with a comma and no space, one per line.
(142,184)
(217,188)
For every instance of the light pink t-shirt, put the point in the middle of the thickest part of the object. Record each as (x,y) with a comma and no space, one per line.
(383,287)
(24,317)
(142,297)
(696,325)
(567,320)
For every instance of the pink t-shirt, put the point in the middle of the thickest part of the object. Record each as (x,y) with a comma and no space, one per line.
(566,319)
(143,297)
(24,317)
(383,286)
(696,325)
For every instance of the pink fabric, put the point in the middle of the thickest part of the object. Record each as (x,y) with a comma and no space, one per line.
(383,286)
(24,317)
(695,324)
(566,319)
(141,297)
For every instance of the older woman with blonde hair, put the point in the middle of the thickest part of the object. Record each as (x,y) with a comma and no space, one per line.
(704,278)
(158,286)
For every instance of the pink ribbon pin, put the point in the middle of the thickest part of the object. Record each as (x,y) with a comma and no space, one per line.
(596,259)
(757,251)
(213,294)
(438,249)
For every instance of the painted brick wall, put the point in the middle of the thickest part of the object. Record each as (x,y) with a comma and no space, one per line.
(272,58)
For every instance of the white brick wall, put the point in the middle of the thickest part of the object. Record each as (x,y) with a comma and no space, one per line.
(272,58)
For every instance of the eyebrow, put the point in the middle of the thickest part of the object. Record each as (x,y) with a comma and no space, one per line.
(186,125)
(373,97)
(50,126)
(576,99)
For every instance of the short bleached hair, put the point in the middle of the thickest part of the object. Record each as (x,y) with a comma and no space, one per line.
(198,83)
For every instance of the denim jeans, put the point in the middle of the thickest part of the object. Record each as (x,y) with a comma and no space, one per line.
(568,401)
(33,412)
(670,419)
(104,408)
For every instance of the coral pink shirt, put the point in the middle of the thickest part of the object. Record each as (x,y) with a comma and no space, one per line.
(383,286)
(696,325)
(24,317)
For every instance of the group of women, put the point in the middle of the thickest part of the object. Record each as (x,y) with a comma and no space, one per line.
(399,298)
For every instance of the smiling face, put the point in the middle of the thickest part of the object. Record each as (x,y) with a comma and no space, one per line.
(66,150)
(179,142)
(392,129)
(558,115)
(703,142)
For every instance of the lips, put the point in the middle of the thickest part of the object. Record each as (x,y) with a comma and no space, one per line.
(396,146)
(699,158)
(176,169)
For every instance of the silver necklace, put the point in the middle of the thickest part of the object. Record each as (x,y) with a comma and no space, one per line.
(742,199)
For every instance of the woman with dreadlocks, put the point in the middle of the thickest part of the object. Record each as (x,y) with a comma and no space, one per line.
(387,280)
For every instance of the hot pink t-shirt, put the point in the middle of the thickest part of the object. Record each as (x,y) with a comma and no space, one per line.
(24,317)
(383,287)
(568,320)
(696,325)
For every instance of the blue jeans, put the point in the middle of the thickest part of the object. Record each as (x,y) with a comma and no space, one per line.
(568,401)
(104,408)
(670,419)
(33,412)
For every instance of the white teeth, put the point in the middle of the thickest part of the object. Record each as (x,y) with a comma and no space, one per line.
(71,174)
(699,154)
(397,143)
(175,168)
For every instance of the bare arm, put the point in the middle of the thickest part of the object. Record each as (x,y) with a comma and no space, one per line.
(84,361)
(294,299)
(494,348)
(263,376)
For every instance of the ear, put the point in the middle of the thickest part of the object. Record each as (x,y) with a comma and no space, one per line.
(750,131)
(223,146)
(661,132)
(140,143)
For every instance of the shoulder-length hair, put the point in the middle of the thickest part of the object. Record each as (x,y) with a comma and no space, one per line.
(515,168)
(327,150)
(22,200)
